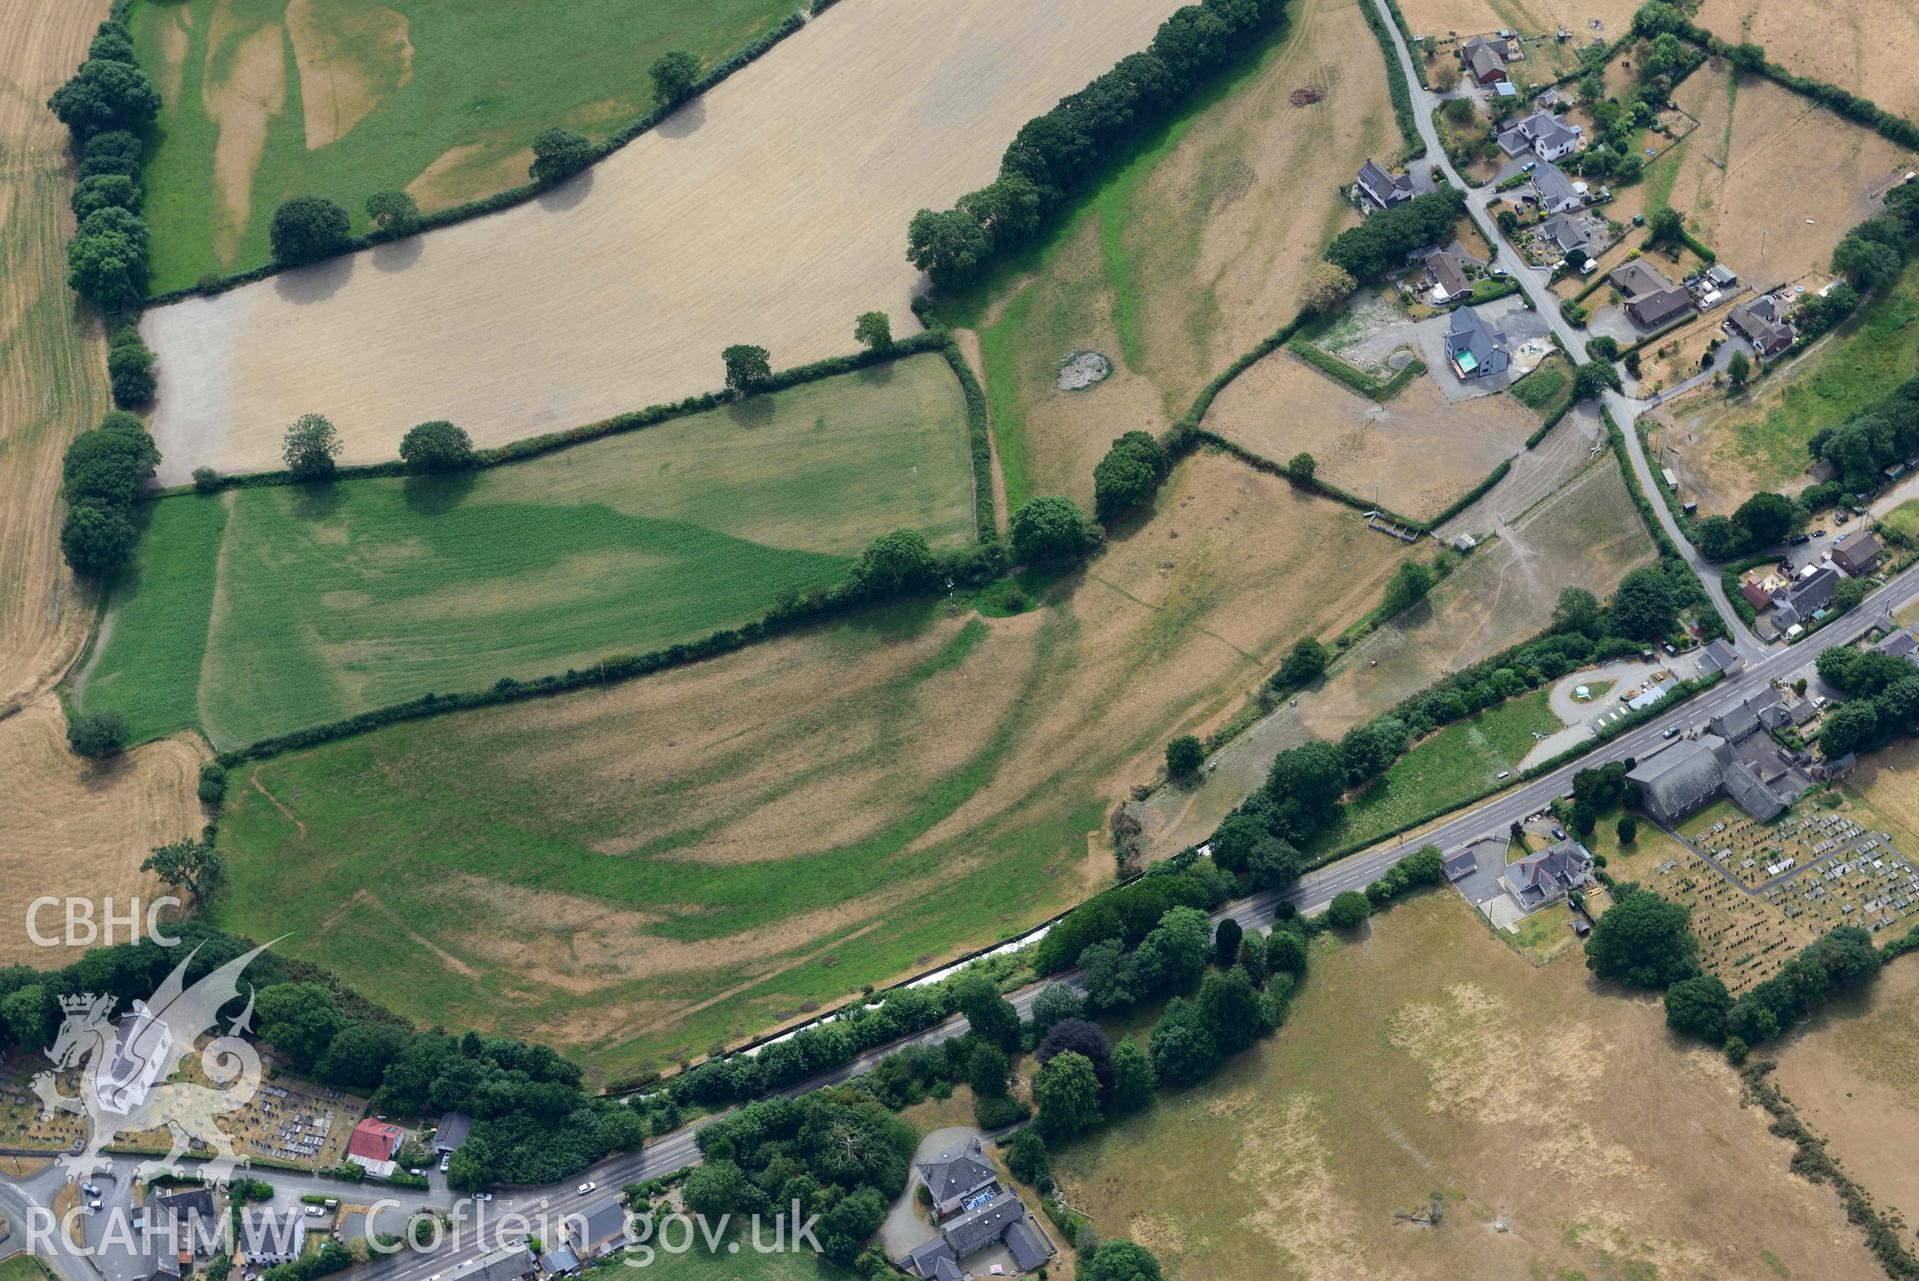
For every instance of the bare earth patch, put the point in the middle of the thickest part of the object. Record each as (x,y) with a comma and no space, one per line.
(336,92)
(240,103)
(771,210)
(1563,1131)
(1418,451)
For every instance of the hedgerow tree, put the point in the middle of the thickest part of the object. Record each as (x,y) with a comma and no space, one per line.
(1594,377)
(1133,1079)
(1128,474)
(1048,528)
(308,228)
(747,367)
(1302,467)
(1183,1049)
(948,245)
(1642,605)
(298,1019)
(310,446)
(874,331)
(558,154)
(105,94)
(675,73)
(1326,286)
(1642,940)
(394,212)
(437,446)
(1697,1007)
(899,561)
(96,539)
(98,735)
(1306,660)
(107,258)
(1348,909)
(130,371)
(106,191)
(191,865)
(1409,584)
(1184,756)
(989,1014)
(1122,1260)
(1739,370)
(109,463)
(115,151)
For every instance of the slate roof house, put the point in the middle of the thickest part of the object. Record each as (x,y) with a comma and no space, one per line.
(1484,59)
(272,1236)
(188,1218)
(1476,349)
(1384,189)
(1554,190)
(1567,233)
(1651,299)
(508,1263)
(1543,134)
(1797,604)
(1759,324)
(451,1132)
(1550,875)
(1449,280)
(597,1231)
(1857,552)
(1747,717)
(973,1213)
(1901,644)
(1718,656)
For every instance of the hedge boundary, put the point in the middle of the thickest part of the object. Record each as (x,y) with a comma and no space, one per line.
(1415,146)
(1259,462)
(932,340)
(978,435)
(1352,375)
(749,53)
(1472,495)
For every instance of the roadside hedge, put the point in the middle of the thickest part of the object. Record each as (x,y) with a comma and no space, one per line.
(1395,83)
(511,196)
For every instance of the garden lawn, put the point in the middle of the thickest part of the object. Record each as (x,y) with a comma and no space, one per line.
(24,1267)
(265,99)
(1444,769)
(307,604)
(1546,387)
(1904,520)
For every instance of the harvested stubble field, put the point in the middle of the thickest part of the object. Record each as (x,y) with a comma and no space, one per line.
(1732,447)
(1186,256)
(264,610)
(1528,17)
(1852,1073)
(1588,534)
(1418,452)
(1428,1059)
(1865,46)
(699,855)
(771,210)
(264,99)
(67,828)
(1768,180)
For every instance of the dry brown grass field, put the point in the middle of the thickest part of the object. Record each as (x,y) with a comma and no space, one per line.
(1853,1074)
(1769,180)
(771,210)
(1587,534)
(701,855)
(1565,1132)
(1418,451)
(1866,46)
(66,827)
(1188,256)
(1528,17)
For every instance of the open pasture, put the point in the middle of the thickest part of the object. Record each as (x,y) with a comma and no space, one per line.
(771,210)
(1865,46)
(1188,255)
(265,99)
(1418,452)
(1730,448)
(1427,1061)
(700,855)
(264,610)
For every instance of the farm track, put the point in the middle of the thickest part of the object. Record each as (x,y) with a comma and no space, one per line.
(66,826)
(771,210)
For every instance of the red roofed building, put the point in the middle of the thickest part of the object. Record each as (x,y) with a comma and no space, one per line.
(374,1145)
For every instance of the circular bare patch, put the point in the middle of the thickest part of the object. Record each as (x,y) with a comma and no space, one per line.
(1081,369)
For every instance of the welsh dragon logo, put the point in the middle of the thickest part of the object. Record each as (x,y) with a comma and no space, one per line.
(125,1070)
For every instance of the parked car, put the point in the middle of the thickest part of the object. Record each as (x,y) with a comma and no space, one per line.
(445,1161)
(315,1212)
(1818,533)
(1559,833)
(1799,539)
(91,1189)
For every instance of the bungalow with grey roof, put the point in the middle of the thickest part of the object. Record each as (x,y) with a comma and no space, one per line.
(1550,875)
(1476,349)
(1543,134)
(1758,323)
(1449,279)
(1567,233)
(1384,189)
(1651,299)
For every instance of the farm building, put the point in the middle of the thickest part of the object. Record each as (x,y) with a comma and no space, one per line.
(1476,349)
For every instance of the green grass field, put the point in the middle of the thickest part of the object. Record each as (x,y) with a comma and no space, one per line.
(1443,769)
(1904,519)
(413,80)
(1861,365)
(1544,388)
(24,1267)
(265,610)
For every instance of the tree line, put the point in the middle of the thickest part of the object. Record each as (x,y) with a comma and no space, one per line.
(1054,156)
